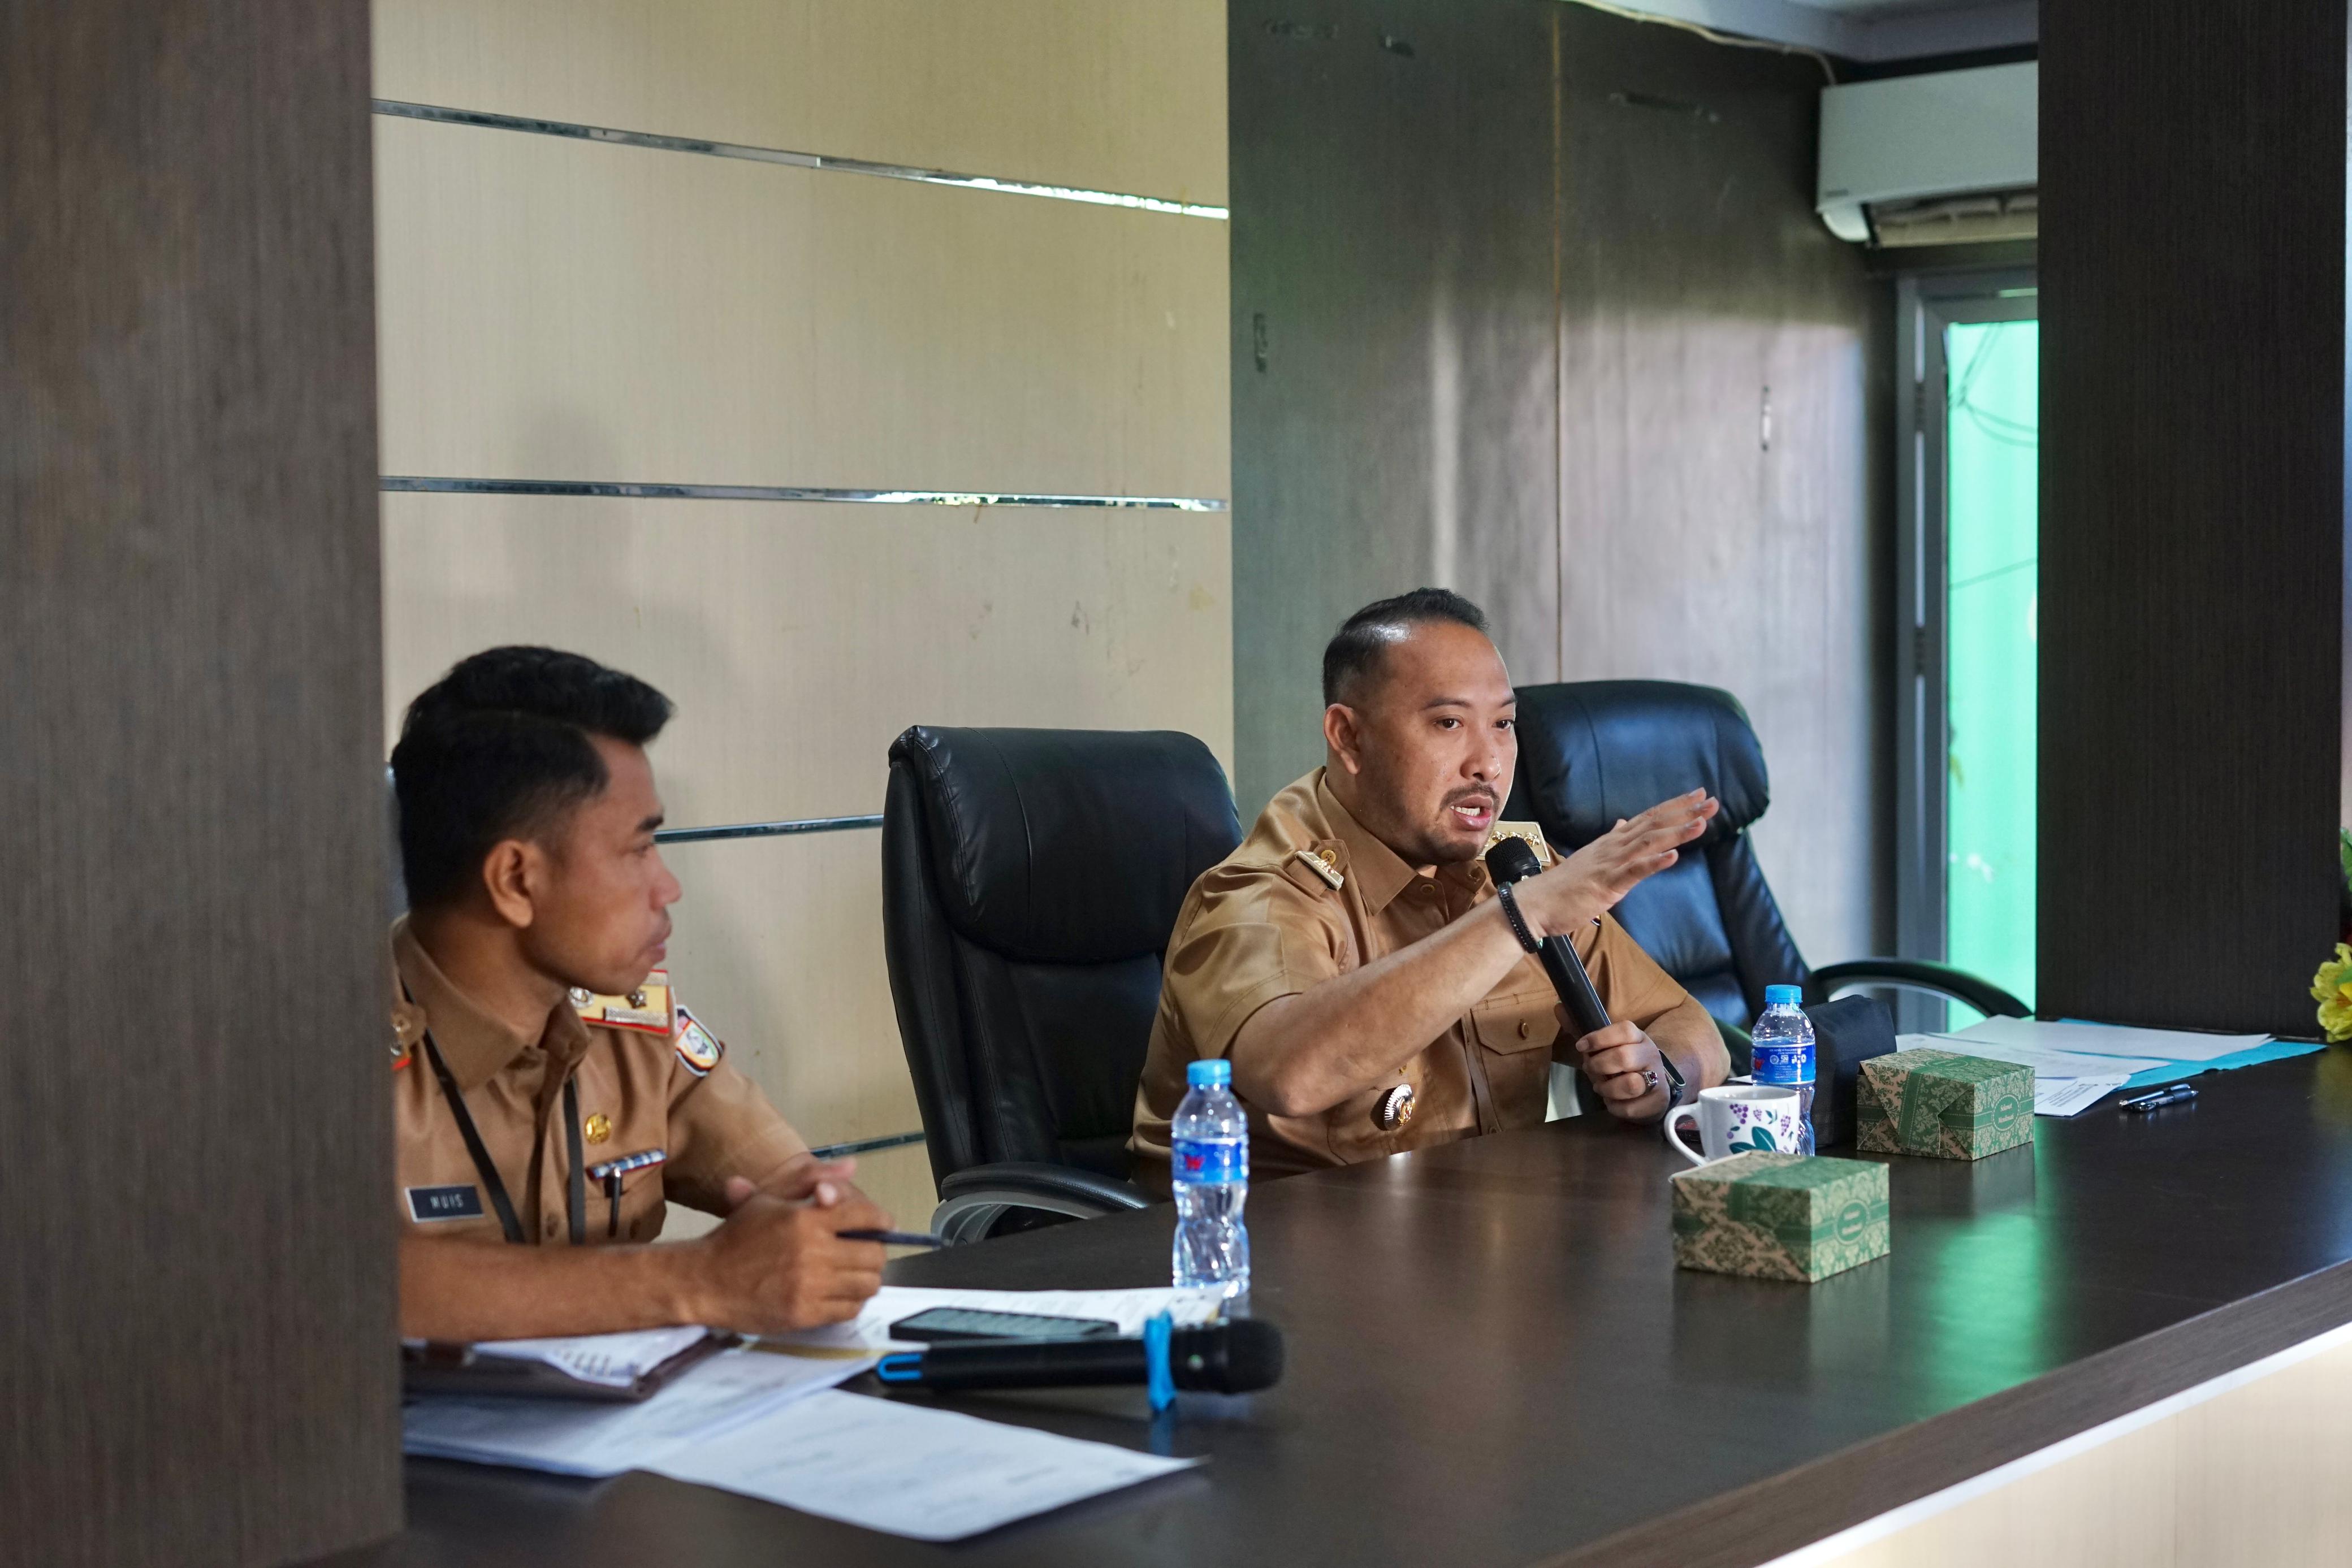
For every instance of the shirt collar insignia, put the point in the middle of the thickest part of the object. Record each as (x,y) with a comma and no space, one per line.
(473,1044)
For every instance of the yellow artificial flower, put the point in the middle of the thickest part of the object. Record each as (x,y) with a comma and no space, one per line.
(2332,989)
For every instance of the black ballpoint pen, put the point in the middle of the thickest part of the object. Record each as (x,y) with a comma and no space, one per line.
(2168,1095)
(896,1238)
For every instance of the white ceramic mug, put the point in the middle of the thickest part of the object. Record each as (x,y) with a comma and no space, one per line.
(1738,1119)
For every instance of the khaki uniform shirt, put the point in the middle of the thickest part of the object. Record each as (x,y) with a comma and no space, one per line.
(639,1090)
(1263,923)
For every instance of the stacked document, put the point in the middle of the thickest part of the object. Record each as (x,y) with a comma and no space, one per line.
(570,1438)
(2076,1065)
(767,1421)
(930,1474)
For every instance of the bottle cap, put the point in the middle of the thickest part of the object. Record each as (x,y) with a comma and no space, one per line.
(1217,1073)
(1783,996)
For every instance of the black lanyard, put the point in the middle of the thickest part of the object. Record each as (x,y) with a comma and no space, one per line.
(575,1199)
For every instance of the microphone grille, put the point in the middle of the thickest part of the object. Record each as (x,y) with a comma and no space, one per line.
(1512,859)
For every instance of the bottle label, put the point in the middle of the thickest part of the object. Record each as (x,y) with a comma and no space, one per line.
(1210,1161)
(1783,1062)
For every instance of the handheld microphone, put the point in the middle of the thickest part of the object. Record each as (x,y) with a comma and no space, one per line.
(1223,1358)
(1511,859)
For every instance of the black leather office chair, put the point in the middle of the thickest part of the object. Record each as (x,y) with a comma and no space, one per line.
(1030,881)
(1594,751)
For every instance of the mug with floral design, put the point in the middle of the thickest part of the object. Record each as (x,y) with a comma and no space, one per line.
(1738,1119)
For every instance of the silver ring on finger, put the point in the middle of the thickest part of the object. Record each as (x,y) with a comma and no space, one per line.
(1650,1077)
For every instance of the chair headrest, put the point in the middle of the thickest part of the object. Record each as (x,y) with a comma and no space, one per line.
(1067,845)
(1594,751)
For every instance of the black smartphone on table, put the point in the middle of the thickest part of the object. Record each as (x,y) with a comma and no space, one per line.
(941,1326)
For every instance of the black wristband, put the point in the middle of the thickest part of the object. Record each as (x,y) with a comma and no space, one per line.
(1518,922)
(1675,1085)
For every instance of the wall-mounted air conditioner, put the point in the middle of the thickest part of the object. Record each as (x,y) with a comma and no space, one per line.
(1947,158)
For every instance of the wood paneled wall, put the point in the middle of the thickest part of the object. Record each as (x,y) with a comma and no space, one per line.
(2193,590)
(560,308)
(196,1300)
(1726,428)
(1546,316)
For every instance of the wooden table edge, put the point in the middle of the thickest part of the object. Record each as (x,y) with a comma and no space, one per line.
(1754,1524)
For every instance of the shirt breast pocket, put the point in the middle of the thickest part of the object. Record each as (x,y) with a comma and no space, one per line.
(639,1214)
(1516,1036)
(1523,1021)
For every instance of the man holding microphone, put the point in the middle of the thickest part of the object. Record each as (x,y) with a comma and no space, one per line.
(1351,959)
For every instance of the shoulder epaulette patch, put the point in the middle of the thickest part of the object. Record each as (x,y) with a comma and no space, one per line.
(1530,831)
(647,1008)
(407,1027)
(697,1047)
(1321,863)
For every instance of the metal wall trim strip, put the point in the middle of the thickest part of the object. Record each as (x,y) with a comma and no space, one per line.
(484,119)
(764,829)
(866,1145)
(413,484)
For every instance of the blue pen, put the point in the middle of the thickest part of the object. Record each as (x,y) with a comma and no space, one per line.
(2170,1095)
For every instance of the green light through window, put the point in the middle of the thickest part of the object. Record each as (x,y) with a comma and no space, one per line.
(1991,607)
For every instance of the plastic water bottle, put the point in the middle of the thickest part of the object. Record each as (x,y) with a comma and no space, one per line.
(1210,1141)
(1784,1051)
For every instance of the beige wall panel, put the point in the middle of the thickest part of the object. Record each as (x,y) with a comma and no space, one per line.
(778,945)
(2254,1475)
(551,308)
(1113,95)
(797,641)
(1693,551)
(898,1179)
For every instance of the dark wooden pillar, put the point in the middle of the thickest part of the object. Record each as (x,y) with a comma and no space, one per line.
(2192,275)
(196,1285)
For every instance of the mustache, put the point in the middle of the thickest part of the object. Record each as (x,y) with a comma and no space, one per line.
(1472,792)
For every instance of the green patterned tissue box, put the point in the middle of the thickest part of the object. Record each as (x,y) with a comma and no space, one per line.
(1780,1216)
(1942,1103)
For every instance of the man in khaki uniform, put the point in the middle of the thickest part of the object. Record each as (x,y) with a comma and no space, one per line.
(550,1092)
(1351,957)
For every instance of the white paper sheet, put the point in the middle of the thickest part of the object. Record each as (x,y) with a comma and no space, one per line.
(930,1474)
(2045,1062)
(2155,1046)
(609,1360)
(870,1330)
(569,1437)
(2065,1097)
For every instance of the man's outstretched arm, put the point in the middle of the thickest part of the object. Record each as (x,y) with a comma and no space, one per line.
(771,1268)
(1300,1055)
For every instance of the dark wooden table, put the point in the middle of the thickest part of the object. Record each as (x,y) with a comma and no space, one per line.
(1494,1361)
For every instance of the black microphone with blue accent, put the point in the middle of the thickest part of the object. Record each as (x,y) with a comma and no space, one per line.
(1237,1357)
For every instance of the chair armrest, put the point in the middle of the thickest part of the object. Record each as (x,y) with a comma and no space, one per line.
(970,1200)
(1918,975)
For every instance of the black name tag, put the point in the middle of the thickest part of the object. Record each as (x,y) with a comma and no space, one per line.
(426,1203)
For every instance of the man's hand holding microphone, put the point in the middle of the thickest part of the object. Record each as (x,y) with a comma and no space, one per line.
(1623,1064)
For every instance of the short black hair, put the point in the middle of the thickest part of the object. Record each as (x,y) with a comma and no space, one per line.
(499,748)
(1355,652)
